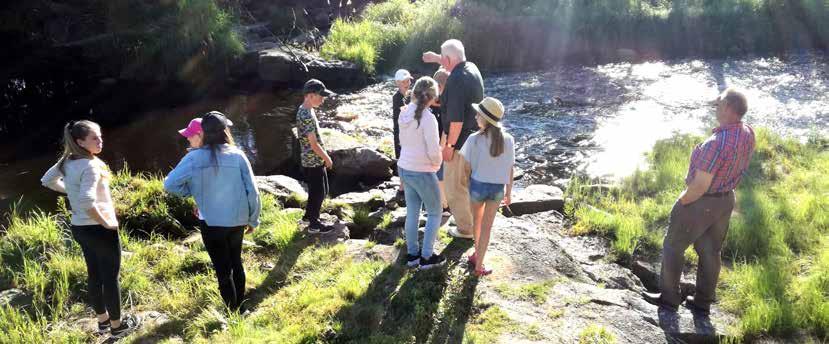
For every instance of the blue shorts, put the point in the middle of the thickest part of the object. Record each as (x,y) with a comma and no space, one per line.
(480,192)
(439,173)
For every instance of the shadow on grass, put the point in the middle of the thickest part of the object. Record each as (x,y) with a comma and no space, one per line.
(276,278)
(429,306)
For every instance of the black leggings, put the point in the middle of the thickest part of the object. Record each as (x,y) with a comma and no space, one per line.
(102,252)
(224,246)
(317,179)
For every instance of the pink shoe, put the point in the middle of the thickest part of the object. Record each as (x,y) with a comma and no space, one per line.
(483,272)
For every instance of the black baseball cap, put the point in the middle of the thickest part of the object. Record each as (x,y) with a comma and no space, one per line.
(215,120)
(316,86)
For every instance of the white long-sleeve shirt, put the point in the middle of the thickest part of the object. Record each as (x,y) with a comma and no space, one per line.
(86,183)
(420,144)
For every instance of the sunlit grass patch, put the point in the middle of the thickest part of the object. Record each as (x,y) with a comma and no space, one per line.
(532,292)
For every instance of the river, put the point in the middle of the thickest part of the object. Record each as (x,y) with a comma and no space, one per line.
(595,119)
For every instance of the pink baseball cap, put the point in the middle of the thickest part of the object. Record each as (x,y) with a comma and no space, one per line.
(192,129)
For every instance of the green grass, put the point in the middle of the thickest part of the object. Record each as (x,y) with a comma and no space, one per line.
(596,334)
(300,290)
(531,292)
(777,237)
(488,326)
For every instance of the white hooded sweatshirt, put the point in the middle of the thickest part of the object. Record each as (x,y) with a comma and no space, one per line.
(420,144)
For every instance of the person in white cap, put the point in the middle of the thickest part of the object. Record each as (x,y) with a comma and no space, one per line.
(403,80)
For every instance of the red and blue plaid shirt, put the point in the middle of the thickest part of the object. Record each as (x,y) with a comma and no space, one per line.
(726,155)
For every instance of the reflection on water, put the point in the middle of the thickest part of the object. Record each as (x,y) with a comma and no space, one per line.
(597,119)
(624,108)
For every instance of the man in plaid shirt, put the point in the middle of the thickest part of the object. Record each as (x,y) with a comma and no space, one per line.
(702,212)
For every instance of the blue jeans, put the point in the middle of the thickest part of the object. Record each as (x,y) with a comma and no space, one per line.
(480,192)
(439,173)
(421,190)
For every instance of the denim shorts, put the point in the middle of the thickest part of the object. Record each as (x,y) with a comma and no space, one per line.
(480,192)
(439,173)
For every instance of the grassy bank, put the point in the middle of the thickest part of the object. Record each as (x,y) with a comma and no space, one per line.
(777,278)
(301,290)
(532,33)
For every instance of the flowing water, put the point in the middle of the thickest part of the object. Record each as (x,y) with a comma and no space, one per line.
(600,119)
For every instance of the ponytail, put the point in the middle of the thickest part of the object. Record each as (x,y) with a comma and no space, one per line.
(72,131)
(425,90)
(496,139)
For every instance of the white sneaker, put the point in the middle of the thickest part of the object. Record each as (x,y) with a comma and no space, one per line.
(453,231)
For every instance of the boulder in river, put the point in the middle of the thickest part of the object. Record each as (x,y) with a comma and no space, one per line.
(535,199)
(287,65)
(354,160)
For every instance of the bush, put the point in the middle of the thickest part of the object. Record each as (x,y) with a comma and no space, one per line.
(143,205)
(183,39)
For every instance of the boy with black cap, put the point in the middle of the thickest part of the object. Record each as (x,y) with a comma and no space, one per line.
(314,159)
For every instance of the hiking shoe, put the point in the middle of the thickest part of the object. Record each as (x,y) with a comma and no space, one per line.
(129,324)
(434,261)
(695,307)
(412,261)
(103,327)
(319,228)
(656,299)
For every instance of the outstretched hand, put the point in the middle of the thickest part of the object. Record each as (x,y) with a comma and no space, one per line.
(431,57)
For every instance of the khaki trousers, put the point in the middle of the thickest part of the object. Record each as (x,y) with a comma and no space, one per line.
(456,181)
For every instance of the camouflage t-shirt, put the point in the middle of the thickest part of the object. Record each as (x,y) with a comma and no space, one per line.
(307,123)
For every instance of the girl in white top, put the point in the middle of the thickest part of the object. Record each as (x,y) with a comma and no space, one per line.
(85,179)
(490,156)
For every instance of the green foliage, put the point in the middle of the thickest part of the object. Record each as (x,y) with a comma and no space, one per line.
(530,33)
(392,33)
(184,39)
(777,237)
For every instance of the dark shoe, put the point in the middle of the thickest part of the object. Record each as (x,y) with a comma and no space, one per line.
(129,324)
(656,299)
(412,261)
(695,307)
(319,228)
(434,261)
(103,327)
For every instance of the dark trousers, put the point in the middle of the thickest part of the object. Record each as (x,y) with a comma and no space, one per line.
(224,246)
(317,180)
(704,224)
(102,252)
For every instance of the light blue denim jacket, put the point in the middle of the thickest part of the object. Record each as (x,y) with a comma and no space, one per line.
(226,194)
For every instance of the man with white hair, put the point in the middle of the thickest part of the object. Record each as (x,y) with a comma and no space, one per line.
(464,87)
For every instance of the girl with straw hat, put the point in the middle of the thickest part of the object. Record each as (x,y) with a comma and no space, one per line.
(490,156)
